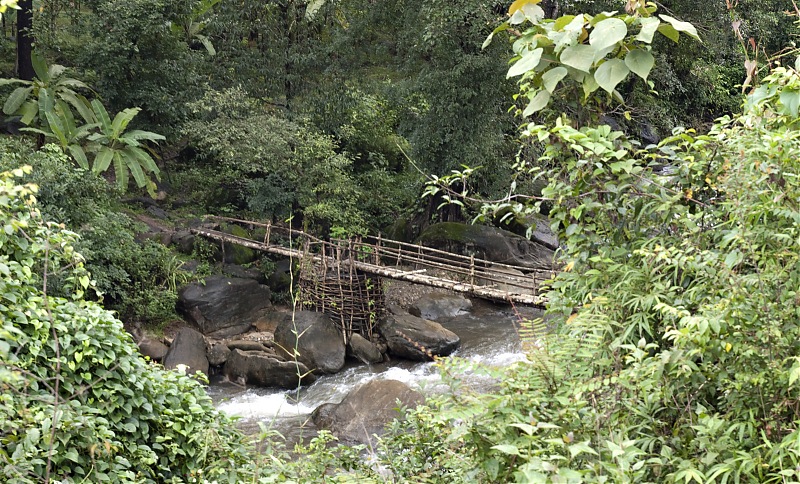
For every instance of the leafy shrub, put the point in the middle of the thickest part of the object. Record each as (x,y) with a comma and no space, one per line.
(77,400)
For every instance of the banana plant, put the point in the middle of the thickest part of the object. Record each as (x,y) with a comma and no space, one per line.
(34,99)
(113,144)
(62,129)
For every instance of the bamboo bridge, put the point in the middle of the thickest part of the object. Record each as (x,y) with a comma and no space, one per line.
(341,277)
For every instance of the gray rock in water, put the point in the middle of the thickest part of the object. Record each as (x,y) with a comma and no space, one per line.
(437,305)
(265,370)
(223,306)
(189,349)
(320,345)
(415,338)
(365,411)
(218,354)
(363,349)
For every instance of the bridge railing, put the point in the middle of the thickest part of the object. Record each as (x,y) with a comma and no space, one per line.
(427,262)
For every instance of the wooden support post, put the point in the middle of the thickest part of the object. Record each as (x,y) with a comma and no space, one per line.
(472,270)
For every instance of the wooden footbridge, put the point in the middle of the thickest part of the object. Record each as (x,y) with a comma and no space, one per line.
(342,276)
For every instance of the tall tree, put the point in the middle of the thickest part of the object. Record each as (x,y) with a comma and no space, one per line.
(25,40)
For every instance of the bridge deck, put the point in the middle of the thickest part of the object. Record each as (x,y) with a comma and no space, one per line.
(436,268)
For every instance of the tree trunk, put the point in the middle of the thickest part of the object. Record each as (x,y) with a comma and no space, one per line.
(25,40)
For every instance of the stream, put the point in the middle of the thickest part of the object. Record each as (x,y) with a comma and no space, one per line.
(488,335)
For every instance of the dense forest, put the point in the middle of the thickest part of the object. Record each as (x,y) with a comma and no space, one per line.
(660,140)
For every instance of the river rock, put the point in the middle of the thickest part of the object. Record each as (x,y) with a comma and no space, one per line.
(365,411)
(246,345)
(183,240)
(189,349)
(217,354)
(152,348)
(489,243)
(224,306)
(415,338)
(320,344)
(266,370)
(436,305)
(363,349)
(239,272)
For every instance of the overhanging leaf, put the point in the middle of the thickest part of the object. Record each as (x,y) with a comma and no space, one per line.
(15,100)
(640,62)
(539,102)
(680,26)
(611,73)
(580,57)
(649,27)
(790,99)
(552,77)
(669,32)
(607,34)
(530,59)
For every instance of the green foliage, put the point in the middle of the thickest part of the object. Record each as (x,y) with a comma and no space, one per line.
(78,402)
(275,167)
(576,55)
(113,143)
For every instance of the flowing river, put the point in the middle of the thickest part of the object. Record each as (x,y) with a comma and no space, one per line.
(489,336)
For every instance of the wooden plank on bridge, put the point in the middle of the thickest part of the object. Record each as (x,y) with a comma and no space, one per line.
(500,285)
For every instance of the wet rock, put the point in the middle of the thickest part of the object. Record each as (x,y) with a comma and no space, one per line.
(415,338)
(183,240)
(189,349)
(365,411)
(363,350)
(265,370)
(437,305)
(281,277)
(320,344)
(153,348)
(234,253)
(224,306)
(218,354)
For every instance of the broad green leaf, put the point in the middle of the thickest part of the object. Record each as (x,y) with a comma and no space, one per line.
(6,82)
(102,116)
(520,4)
(649,27)
(580,57)
(533,12)
(40,67)
(145,160)
(46,102)
(79,156)
(207,44)
(138,135)
(790,99)
(502,27)
(530,59)
(507,449)
(81,104)
(121,171)
(669,32)
(28,111)
(590,85)
(552,77)
(102,160)
(121,121)
(57,127)
(611,73)
(607,34)
(640,62)
(55,71)
(680,26)
(133,163)
(562,22)
(539,102)
(797,64)
(15,99)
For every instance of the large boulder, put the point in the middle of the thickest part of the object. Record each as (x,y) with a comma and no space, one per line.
(438,305)
(224,306)
(366,410)
(415,338)
(320,345)
(188,349)
(266,370)
(489,243)
(153,348)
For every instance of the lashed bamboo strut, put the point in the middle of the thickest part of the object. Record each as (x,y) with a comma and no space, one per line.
(518,288)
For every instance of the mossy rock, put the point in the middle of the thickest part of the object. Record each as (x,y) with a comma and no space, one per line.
(489,243)
(236,254)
